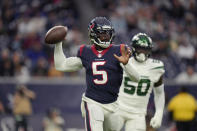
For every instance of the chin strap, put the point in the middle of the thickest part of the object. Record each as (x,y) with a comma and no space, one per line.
(141,57)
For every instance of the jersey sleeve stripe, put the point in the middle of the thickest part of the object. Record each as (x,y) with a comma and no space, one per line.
(159,67)
(81,49)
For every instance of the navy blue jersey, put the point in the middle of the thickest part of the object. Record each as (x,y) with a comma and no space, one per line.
(103,72)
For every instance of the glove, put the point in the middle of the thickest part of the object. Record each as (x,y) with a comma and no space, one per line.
(155,122)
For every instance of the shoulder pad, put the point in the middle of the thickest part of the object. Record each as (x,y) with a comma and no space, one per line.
(157,66)
(80,50)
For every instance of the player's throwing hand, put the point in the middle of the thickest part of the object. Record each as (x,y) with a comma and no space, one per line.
(126,53)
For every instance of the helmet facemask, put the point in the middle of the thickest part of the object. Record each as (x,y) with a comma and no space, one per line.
(141,55)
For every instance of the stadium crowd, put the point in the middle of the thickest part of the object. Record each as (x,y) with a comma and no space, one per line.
(23,24)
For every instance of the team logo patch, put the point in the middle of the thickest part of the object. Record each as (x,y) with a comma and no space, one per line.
(99,55)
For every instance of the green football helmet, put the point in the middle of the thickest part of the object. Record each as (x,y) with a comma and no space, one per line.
(141,46)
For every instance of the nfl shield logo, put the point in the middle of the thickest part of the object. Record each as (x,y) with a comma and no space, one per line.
(99,55)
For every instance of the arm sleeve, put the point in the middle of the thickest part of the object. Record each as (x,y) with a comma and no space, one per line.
(131,71)
(65,64)
(159,99)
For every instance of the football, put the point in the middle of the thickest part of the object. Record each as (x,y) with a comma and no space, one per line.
(56,34)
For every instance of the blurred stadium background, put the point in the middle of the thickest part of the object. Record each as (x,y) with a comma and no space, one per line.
(26,59)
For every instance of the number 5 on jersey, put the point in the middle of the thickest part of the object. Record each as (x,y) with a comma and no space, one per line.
(103,73)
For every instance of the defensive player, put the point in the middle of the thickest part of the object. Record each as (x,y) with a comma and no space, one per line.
(134,96)
(103,72)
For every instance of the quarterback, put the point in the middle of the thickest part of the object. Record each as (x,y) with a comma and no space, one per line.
(103,72)
(134,96)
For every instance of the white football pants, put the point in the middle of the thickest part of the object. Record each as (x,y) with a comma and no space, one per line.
(132,122)
(96,115)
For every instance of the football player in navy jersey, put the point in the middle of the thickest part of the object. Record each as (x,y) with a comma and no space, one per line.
(103,72)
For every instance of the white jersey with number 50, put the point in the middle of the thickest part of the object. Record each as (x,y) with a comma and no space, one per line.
(134,96)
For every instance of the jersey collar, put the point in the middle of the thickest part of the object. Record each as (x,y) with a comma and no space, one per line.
(100,54)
